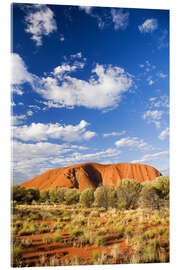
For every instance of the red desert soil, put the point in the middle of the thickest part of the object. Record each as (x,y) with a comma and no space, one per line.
(92,175)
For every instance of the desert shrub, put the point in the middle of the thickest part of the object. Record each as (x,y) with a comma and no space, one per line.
(128,191)
(72,196)
(129,229)
(43,228)
(99,241)
(47,239)
(121,231)
(149,197)
(161,184)
(16,253)
(87,197)
(32,194)
(76,232)
(18,193)
(26,242)
(44,195)
(57,236)
(61,194)
(53,195)
(105,197)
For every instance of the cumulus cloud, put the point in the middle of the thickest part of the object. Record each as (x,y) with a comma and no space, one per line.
(40,22)
(31,159)
(151,157)
(119,18)
(109,83)
(19,72)
(132,142)
(164,134)
(148,26)
(42,132)
(60,88)
(153,116)
(114,134)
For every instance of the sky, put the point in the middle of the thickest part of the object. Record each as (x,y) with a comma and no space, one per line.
(89,84)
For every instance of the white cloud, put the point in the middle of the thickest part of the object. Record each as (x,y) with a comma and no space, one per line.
(164,134)
(120,18)
(148,26)
(77,157)
(87,9)
(62,38)
(19,73)
(29,113)
(40,22)
(42,132)
(156,102)
(29,160)
(161,75)
(18,119)
(107,82)
(132,142)
(153,116)
(151,157)
(114,134)
(17,89)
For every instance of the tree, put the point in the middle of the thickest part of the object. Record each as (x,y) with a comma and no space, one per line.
(72,196)
(105,196)
(149,197)
(128,191)
(18,193)
(87,197)
(44,195)
(32,194)
(161,184)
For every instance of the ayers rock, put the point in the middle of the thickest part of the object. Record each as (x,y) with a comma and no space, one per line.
(92,175)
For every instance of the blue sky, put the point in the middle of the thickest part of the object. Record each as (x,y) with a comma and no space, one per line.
(89,84)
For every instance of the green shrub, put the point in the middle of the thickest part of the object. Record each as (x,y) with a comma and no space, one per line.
(161,184)
(87,197)
(149,197)
(17,253)
(105,197)
(128,191)
(57,236)
(99,241)
(76,232)
(72,196)
(44,196)
(47,239)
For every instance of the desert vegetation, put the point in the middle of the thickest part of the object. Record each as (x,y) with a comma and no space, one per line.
(56,227)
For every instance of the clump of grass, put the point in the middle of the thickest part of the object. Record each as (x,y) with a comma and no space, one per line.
(16,253)
(26,242)
(99,241)
(121,231)
(57,237)
(54,261)
(47,239)
(43,228)
(129,230)
(76,232)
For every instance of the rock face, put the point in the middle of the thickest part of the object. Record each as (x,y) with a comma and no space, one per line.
(92,175)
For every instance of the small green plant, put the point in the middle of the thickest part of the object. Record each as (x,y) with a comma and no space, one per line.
(99,241)
(57,237)
(47,239)
(16,253)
